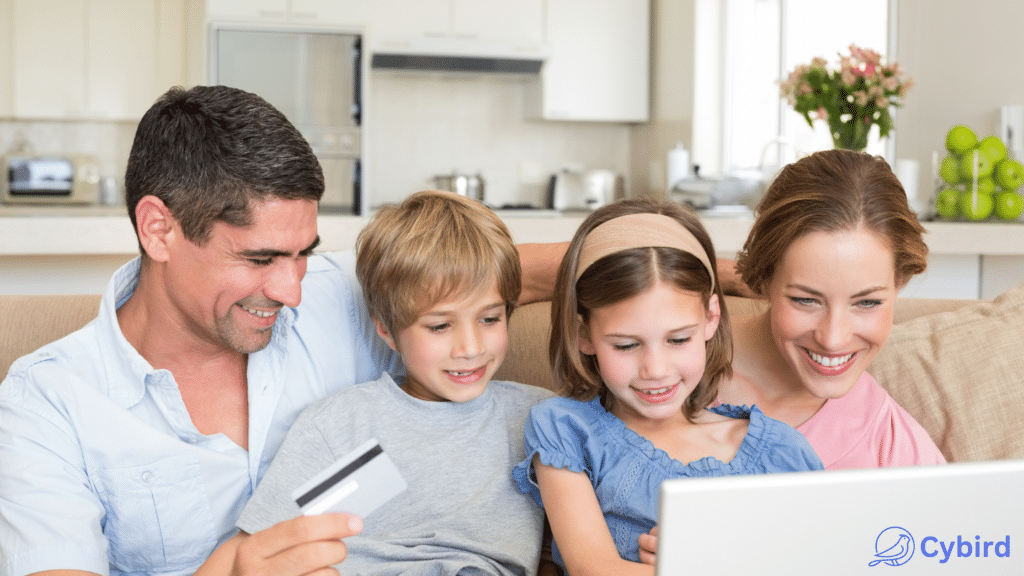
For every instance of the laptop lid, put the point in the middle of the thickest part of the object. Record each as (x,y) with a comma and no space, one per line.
(960,518)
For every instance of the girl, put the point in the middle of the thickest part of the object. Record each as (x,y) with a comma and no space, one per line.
(640,339)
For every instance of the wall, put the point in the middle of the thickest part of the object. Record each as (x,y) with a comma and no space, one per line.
(424,124)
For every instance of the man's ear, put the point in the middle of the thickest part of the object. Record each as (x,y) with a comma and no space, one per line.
(585,344)
(382,330)
(157,228)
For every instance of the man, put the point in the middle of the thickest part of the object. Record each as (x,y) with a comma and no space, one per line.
(132,445)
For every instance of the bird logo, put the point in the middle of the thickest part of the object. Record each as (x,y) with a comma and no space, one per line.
(893,547)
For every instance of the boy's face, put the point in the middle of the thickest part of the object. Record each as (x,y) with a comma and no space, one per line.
(452,350)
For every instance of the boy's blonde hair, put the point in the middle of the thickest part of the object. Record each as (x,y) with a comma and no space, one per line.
(428,248)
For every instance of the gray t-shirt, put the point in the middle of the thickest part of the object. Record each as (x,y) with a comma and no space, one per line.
(461,514)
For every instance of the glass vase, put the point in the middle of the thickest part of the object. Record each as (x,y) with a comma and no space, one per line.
(850,135)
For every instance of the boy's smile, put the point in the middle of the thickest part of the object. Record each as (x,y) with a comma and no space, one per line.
(453,349)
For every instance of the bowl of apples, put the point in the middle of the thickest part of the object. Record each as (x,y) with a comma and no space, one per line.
(979,181)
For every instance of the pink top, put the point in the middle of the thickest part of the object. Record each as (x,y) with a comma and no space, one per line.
(866,428)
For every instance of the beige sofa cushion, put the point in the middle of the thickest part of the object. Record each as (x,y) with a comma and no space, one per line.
(961,375)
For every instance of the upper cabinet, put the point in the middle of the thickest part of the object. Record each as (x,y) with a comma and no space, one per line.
(598,68)
(91,59)
(316,12)
(491,24)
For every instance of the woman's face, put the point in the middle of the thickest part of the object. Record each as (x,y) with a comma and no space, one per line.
(832,299)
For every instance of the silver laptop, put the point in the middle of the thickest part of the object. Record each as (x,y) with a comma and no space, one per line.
(962,519)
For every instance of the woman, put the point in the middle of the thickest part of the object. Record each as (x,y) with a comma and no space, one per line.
(833,243)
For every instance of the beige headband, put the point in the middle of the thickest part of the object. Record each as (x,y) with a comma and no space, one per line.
(640,231)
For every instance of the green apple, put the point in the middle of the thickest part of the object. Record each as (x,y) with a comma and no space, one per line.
(1009,205)
(1010,174)
(986,185)
(985,166)
(992,148)
(949,170)
(946,202)
(960,139)
(976,206)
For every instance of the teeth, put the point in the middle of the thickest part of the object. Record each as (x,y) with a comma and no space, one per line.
(828,361)
(459,373)
(260,313)
(656,391)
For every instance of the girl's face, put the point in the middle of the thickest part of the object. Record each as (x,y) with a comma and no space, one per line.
(832,299)
(651,349)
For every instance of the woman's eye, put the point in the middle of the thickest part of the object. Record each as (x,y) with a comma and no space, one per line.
(802,301)
(869,303)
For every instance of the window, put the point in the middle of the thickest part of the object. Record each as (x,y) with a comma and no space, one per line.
(743,49)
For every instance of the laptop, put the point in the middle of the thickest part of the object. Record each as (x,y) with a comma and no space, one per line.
(961,518)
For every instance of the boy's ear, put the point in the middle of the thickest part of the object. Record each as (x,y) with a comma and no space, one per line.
(586,345)
(713,318)
(382,330)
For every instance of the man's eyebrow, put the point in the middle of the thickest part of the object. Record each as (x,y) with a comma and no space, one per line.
(265,253)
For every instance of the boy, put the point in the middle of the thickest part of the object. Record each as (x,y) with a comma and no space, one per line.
(440,275)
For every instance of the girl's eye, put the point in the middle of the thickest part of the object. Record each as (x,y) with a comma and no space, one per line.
(624,347)
(679,341)
(491,320)
(439,327)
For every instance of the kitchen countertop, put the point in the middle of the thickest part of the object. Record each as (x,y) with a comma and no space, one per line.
(106,230)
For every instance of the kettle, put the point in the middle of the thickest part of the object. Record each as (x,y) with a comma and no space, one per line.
(461,184)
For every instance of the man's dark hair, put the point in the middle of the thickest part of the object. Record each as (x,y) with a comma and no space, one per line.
(211,151)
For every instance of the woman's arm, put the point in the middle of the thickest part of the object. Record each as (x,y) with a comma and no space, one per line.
(580,530)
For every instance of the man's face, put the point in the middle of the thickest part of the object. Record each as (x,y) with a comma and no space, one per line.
(228,291)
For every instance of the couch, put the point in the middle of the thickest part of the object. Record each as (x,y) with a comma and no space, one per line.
(956,365)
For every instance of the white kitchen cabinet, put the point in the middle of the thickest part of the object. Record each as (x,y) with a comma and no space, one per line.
(513,26)
(6,58)
(314,12)
(49,58)
(598,68)
(93,59)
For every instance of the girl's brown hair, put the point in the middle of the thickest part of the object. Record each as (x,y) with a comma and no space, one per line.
(620,276)
(832,191)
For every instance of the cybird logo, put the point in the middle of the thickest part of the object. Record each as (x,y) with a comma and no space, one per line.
(894,547)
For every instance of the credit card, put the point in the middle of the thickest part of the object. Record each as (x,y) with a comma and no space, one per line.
(358,483)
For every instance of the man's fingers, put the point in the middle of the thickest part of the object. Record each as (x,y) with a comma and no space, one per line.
(301,545)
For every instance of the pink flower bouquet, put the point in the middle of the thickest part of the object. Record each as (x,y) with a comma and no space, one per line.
(851,98)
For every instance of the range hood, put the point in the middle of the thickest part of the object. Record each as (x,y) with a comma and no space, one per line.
(457,55)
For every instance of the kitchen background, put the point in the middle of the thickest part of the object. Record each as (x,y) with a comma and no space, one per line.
(77,74)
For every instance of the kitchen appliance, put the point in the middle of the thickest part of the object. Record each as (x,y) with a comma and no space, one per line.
(314,77)
(583,190)
(49,179)
(462,184)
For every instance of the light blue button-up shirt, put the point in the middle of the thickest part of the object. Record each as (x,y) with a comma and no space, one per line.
(101,468)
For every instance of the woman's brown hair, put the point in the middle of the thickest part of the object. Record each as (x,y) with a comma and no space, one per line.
(620,276)
(832,191)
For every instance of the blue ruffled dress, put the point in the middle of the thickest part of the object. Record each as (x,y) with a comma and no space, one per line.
(627,470)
